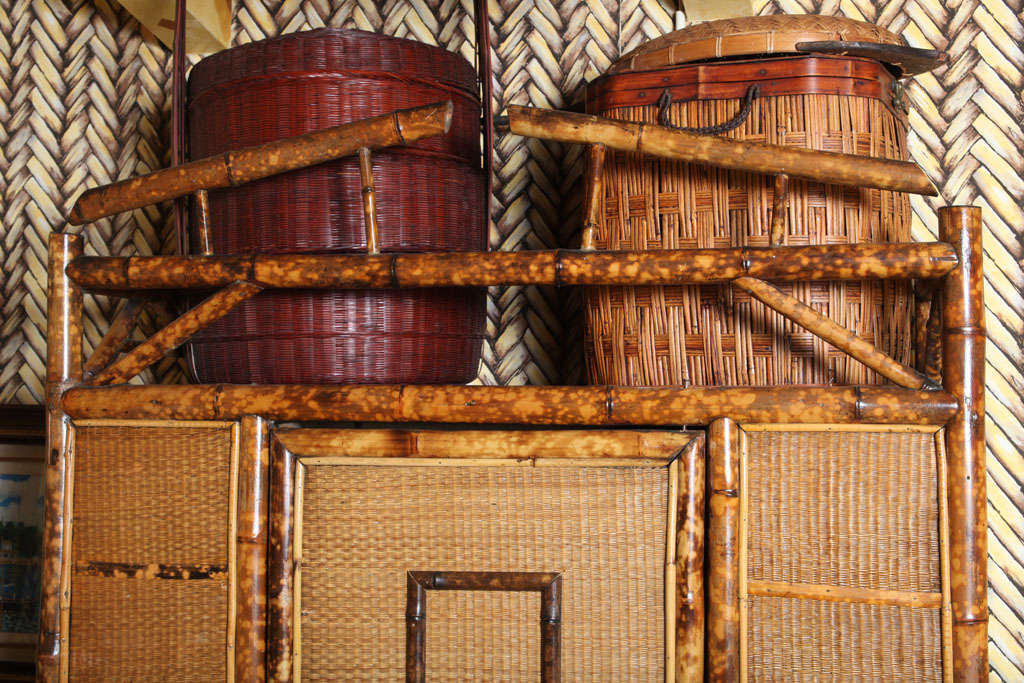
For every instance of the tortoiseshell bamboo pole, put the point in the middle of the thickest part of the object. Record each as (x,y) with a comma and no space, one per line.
(252,163)
(723,616)
(177,333)
(369,202)
(933,341)
(203,222)
(689,635)
(963,363)
(63,370)
(280,572)
(115,339)
(924,297)
(592,405)
(838,336)
(251,599)
(415,630)
(780,203)
(738,155)
(594,195)
(560,267)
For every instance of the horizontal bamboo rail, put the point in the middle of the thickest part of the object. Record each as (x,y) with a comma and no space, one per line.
(593,405)
(252,163)
(737,155)
(550,267)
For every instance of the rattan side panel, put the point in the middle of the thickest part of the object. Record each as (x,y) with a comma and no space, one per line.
(808,640)
(364,527)
(148,629)
(855,509)
(152,494)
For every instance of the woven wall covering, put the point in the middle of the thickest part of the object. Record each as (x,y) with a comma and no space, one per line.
(82,102)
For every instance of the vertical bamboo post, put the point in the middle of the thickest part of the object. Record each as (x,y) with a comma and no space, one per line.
(203,204)
(251,622)
(63,370)
(551,632)
(780,202)
(281,569)
(369,201)
(723,616)
(963,363)
(689,636)
(415,630)
(594,194)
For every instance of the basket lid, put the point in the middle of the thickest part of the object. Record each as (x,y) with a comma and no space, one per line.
(773,34)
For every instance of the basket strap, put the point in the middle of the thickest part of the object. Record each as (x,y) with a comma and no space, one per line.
(178,119)
(483,65)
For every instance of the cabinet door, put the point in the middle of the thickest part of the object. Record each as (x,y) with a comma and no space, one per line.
(395,553)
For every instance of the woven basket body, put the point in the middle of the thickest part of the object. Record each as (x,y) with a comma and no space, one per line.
(429,195)
(716,335)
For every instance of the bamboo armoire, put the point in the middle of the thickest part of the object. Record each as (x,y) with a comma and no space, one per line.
(476,533)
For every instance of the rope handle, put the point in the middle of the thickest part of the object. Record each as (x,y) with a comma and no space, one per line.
(665,101)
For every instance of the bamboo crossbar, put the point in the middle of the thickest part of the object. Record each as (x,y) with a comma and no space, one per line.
(592,405)
(737,155)
(550,267)
(252,163)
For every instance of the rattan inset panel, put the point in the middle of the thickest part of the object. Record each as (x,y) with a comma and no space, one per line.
(809,640)
(857,509)
(127,629)
(364,527)
(148,495)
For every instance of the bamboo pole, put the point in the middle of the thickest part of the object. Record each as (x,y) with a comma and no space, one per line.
(280,572)
(836,335)
(252,163)
(723,618)
(689,636)
(963,362)
(63,370)
(115,339)
(780,202)
(552,267)
(177,333)
(369,202)
(594,195)
(592,405)
(203,224)
(852,594)
(737,155)
(251,543)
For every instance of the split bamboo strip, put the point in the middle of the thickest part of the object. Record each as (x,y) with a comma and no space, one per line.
(866,596)
(593,405)
(723,622)
(177,333)
(280,572)
(251,541)
(115,339)
(549,267)
(841,338)
(963,363)
(737,155)
(63,369)
(689,635)
(252,163)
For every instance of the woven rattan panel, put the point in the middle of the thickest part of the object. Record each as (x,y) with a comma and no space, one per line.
(364,527)
(852,509)
(808,640)
(152,494)
(148,629)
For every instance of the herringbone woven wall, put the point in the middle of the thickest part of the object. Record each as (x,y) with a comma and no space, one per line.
(83,102)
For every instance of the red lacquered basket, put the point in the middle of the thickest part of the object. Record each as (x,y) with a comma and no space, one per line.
(430,196)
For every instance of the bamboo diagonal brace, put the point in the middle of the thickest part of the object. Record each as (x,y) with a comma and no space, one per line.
(252,163)
(836,335)
(115,338)
(174,335)
(737,155)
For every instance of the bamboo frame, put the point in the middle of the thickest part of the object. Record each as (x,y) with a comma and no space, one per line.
(838,336)
(250,625)
(689,561)
(252,163)
(594,195)
(963,363)
(738,155)
(369,201)
(723,618)
(116,338)
(118,275)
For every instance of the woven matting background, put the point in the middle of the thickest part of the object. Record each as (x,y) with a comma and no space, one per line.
(83,102)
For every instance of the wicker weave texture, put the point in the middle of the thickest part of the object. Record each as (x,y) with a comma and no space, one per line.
(148,630)
(712,335)
(364,527)
(855,509)
(807,640)
(152,495)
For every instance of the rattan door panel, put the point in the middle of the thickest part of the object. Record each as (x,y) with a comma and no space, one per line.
(841,554)
(151,562)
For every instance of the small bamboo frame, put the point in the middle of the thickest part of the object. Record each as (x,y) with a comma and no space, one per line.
(738,155)
(115,275)
(841,338)
(252,163)
(963,363)
(723,618)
